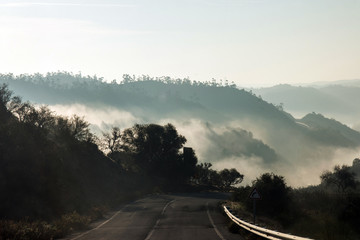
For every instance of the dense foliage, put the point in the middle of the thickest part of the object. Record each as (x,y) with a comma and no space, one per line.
(51,168)
(50,164)
(155,151)
(330,210)
(253,127)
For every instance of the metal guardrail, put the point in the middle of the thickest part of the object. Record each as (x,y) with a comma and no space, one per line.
(263,232)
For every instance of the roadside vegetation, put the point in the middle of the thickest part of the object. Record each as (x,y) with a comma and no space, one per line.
(327,211)
(56,176)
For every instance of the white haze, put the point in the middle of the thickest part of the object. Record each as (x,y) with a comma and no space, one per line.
(301,163)
(101,118)
(356,126)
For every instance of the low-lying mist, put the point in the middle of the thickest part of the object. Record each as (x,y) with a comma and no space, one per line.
(243,145)
(101,118)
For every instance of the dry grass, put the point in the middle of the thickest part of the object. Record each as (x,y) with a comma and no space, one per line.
(42,230)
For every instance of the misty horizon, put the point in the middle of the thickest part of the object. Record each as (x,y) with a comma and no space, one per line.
(245,139)
(138,119)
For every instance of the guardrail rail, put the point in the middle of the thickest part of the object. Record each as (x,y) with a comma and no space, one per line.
(263,232)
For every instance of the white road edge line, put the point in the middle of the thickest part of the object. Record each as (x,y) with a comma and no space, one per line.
(212,223)
(158,221)
(102,224)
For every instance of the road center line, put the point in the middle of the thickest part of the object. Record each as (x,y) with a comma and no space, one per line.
(158,221)
(212,223)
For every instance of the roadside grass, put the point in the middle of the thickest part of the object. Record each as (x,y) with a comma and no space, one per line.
(261,221)
(27,229)
(312,221)
(322,226)
(32,229)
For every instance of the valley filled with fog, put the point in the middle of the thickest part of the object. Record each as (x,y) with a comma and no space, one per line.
(255,131)
(118,117)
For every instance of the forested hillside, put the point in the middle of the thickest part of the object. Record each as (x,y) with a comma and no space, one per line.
(227,126)
(337,100)
(57,176)
(51,164)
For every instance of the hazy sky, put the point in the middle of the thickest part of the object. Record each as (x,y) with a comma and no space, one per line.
(246,41)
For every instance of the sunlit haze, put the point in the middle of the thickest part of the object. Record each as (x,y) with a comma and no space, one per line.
(250,42)
(163,119)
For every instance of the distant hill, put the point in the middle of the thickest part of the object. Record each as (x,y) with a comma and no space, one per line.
(165,98)
(347,94)
(225,125)
(302,98)
(334,100)
(330,128)
(348,83)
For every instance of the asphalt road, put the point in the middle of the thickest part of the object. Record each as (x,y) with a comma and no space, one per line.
(181,216)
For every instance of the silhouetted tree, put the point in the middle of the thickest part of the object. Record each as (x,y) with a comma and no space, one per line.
(230,177)
(5,97)
(341,177)
(224,179)
(202,174)
(157,149)
(79,129)
(189,162)
(44,118)
(112,141)
(356,168)
(24,111)
(274,192)
(356,161)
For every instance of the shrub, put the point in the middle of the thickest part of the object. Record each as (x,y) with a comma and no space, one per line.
(26,230)
(70,222)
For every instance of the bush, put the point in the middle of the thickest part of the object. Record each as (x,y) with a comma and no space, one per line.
(70,222)
(25,230)
(41,230)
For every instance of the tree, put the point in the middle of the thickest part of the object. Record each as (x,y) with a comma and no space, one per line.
(230,177)
(44,118)
(274,192)
(342,178)
(215,179)
(189,162)
(356,162)
(356,167)
(5,97)
(226,178)
(5,94)
(157,149)
(74,128)
(112,141)
(79,129)
(202,174)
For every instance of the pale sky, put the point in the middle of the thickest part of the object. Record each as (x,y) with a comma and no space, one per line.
(250,42)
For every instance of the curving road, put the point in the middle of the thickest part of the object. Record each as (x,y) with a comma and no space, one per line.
(162,217)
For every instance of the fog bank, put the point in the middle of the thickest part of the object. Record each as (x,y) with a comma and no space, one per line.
(236,144)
